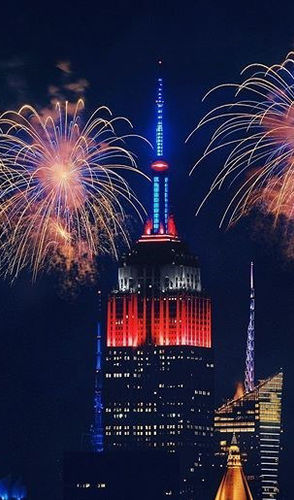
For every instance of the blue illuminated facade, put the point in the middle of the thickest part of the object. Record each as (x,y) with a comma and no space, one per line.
(156,209)
(166,204)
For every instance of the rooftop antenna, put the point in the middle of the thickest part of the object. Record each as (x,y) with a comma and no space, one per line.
(159,117)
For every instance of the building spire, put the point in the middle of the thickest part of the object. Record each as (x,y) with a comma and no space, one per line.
(234,485)
(159,117)
(161,223)
(160,170)
(249,369)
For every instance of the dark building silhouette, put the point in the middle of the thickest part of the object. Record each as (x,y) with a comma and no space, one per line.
(127,475)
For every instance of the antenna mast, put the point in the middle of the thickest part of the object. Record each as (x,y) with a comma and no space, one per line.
(249,370)
(159,119)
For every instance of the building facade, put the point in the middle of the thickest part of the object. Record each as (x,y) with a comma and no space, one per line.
(158,366)
(255,419)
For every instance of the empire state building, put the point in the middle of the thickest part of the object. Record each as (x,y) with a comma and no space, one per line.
(158,363)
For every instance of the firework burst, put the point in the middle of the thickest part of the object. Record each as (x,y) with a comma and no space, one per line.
(257,131)
(62,193)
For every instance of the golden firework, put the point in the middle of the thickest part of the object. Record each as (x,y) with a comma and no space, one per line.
(62,192)
(257,132)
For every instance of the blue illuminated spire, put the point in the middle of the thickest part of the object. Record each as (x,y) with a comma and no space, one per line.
(160,170)
(97,427)
(159,122)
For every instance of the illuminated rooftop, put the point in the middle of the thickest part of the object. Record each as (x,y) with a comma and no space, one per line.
(234,484)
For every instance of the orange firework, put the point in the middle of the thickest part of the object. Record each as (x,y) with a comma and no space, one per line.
(257,129)
(62,195)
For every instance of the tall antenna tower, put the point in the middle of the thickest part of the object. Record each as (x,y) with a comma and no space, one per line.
(160,170)
(249,369)
(159,119)
(97,427)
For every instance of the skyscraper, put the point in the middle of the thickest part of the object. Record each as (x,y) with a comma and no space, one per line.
(158,385)
(254,416)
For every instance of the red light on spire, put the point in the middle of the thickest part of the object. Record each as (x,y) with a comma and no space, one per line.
(159,165)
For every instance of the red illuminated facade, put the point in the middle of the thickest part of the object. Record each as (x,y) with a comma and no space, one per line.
(159,358)
(159,299)
(175,320)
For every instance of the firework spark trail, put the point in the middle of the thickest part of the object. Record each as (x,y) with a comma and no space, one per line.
(258,131)
(62,194)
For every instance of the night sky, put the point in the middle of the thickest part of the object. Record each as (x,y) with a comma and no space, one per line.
(47,341)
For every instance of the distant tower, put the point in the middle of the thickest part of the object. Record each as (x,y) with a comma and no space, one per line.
(97,428)
(255,418)
(234,484)
(249,369)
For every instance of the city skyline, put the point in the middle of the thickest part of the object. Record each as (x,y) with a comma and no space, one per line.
(154,314)
(51,341)
(151,371)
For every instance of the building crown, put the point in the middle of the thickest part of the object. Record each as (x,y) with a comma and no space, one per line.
(234,485)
